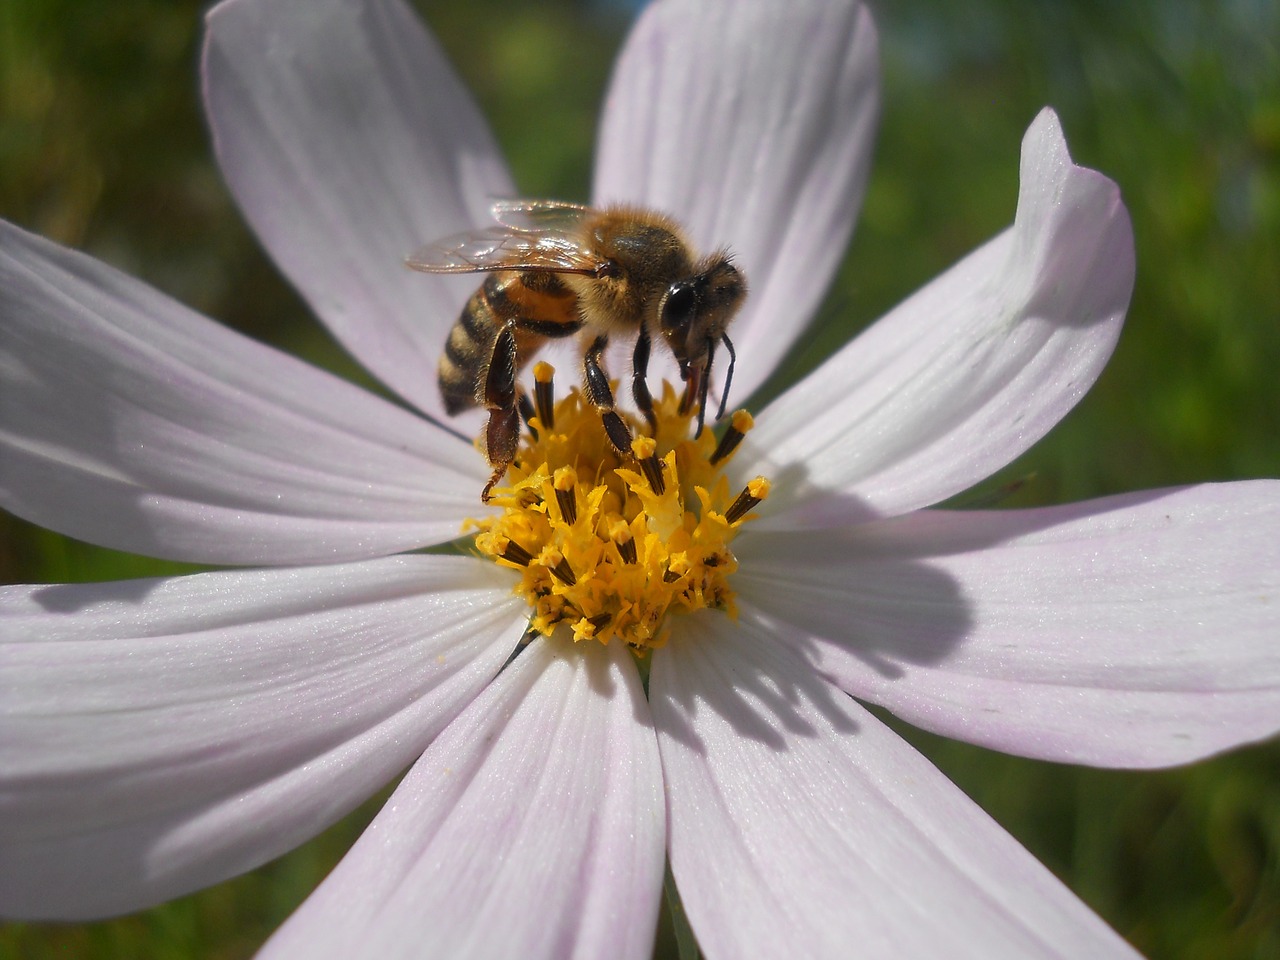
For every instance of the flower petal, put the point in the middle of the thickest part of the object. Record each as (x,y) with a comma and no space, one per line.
(753,123)
(971,370)
(130,421)
(532,827)
(802,827)
(162,735)
(349,142)
(1132,631)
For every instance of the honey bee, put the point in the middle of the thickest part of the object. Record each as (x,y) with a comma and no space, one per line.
(559,269)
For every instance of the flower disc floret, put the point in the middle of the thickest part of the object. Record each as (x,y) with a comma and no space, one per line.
(608,545)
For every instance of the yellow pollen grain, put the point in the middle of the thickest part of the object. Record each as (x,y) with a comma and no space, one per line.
(609,556)
(642,448)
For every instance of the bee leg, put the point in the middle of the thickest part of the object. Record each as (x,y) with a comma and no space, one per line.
(639,384)
(502,438)
(502,435)
(601,397)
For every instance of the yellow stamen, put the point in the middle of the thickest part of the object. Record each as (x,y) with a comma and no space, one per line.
(566,479)
(544,395)
(645,449)
(754,493)
(739,424)
(607,544)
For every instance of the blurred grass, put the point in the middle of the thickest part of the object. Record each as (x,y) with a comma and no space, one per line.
(102,147)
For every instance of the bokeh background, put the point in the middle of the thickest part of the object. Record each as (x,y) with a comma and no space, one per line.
(102,147)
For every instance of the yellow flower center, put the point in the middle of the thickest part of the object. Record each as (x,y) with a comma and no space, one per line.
(609,545)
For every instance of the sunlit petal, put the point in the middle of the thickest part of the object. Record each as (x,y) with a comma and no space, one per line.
(132,422)
(971,370)
(161,735)
(751,122)
(533,827)
(802,827)
(348,141)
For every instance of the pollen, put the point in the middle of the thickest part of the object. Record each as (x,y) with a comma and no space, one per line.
(610,546)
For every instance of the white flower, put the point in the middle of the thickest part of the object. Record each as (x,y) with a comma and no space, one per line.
(162,735)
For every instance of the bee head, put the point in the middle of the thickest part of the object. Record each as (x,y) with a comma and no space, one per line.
(695,311)
(693,316)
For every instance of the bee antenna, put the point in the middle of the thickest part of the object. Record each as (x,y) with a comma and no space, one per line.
(728,377)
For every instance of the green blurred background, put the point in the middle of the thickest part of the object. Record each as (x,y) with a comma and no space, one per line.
(102,147)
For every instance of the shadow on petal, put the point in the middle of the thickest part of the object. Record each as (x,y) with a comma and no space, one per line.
(74,597)
(850,582)
(739,671)
(898,613)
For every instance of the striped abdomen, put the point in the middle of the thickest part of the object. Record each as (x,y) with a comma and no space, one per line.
(537,305)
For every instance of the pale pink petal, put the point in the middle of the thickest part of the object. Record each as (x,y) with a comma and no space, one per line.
(971,370)
(752,123)
(1133,631)
(802,827)
(157,736)
(533,827)
(130,421)
(348,142)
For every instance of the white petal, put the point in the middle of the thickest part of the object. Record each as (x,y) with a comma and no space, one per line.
(971,370)
(349,142)
(533,827)
(130,421)
(1133,631)
(162,735)
(752,122)
(802,827)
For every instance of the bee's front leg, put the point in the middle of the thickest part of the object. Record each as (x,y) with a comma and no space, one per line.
(639,382)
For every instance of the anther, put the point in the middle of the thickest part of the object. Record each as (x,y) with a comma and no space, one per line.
(620,534)
(554,561)
(752,494)
(739,424)
(644,449)
(527,414)
(544,393)
(677,568)
(516,554)
(562,573)
(600,620)
(565,480)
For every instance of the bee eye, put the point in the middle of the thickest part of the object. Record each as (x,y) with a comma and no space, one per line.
(678,306)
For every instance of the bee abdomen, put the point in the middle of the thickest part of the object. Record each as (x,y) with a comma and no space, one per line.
(467,351)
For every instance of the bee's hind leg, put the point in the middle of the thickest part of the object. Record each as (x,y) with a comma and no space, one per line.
(502,434)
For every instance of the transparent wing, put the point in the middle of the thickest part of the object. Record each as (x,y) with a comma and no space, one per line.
(538,216)
(502,248)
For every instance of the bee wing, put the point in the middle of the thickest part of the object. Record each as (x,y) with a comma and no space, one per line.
(501,248)
(538,216)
